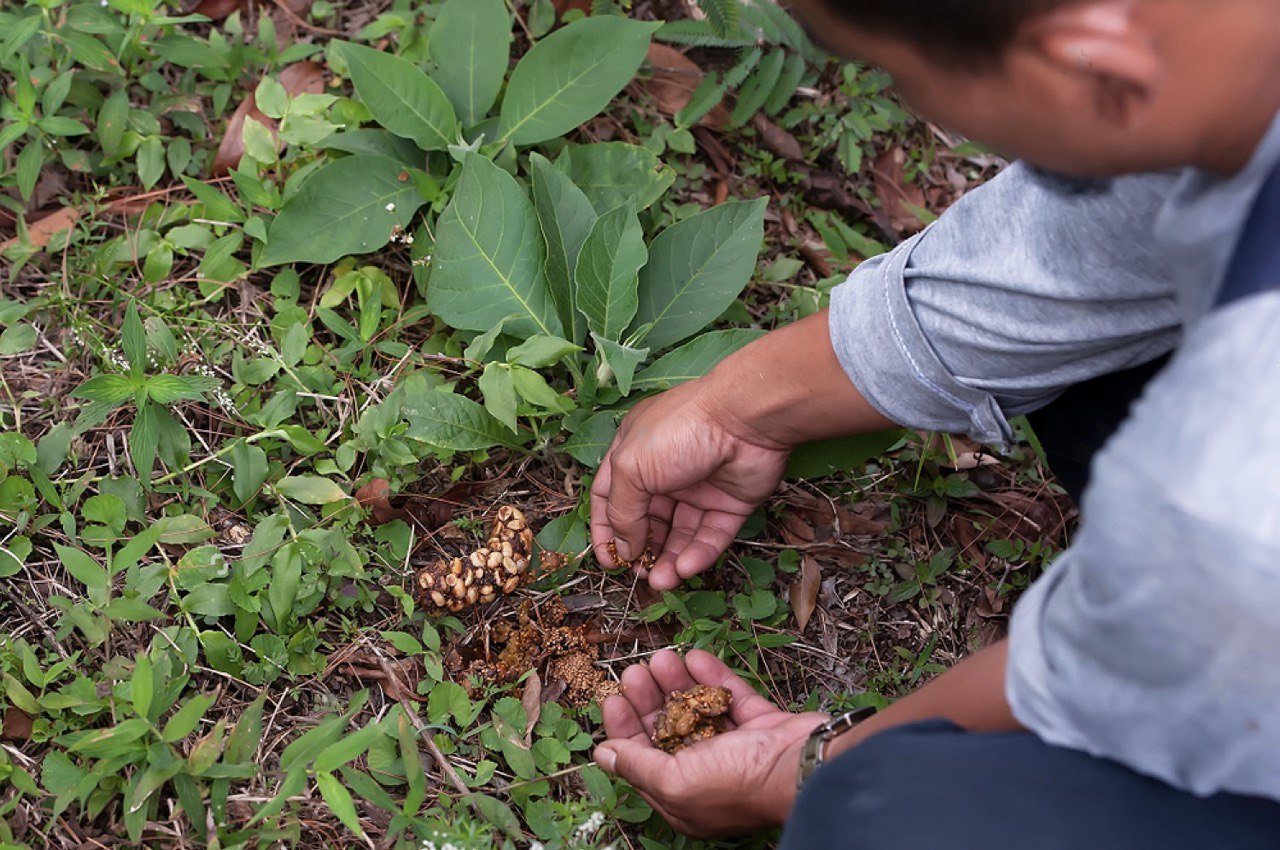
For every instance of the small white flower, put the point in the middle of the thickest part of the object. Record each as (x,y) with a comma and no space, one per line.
(591,826)
(391,207)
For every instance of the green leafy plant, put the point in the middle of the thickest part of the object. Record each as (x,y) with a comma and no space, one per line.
(155,431)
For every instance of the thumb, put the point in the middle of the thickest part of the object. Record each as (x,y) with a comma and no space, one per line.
(643,765)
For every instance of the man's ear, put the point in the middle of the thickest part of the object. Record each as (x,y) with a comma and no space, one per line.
(1103,46)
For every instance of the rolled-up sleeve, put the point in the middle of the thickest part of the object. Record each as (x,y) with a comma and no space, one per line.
(1153,640)
(1014,294)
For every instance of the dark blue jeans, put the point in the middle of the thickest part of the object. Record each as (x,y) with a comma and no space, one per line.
(934,786)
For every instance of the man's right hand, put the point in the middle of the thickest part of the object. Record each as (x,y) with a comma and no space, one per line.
(680,478)
(689,466)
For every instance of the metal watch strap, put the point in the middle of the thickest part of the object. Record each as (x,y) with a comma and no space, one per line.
(814,753)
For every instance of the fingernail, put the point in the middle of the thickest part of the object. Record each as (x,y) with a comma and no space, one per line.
(606,758)
(624,550)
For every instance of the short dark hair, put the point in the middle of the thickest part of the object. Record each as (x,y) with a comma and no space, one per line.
(974,29)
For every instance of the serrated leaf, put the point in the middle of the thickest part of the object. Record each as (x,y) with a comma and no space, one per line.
(606,277)
(453,422)
(570,76)
(489,257)
(106,389)
(696,269)
(166,389)
(471,48)
(310,489)
(566,216)
(401,97)
(612,173)
(350,206)
(144,440)
(693,359)
(133,338)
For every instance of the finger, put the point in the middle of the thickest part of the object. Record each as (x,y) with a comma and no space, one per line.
(661,511)
(627,507)
(684,528)
(715,534)
(645,766)
(643,693)
(670,673)
(621,719)
(601,531)
(709,670)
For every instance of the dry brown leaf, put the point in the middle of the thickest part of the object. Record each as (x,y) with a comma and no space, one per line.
(16,725)
(896,195)
(42,230)
(298,78)
(216,10)
(673,81)
(531,699)
(562,6)
(804,591)
(776,139)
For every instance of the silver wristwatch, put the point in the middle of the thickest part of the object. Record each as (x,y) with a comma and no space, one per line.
(814,754)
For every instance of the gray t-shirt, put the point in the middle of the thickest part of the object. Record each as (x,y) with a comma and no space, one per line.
(1152,641)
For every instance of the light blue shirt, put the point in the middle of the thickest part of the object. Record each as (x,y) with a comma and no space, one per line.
(1154,639)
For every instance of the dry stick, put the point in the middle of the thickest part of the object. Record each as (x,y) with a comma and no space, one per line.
(441,762)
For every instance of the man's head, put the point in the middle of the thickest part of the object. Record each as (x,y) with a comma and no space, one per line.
(1084,87)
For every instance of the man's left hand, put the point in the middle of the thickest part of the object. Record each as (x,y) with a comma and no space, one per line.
(740,781)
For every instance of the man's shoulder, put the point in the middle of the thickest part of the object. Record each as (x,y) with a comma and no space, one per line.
(1204,439)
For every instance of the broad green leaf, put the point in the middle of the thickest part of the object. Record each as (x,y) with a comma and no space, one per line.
(17,338)
(566,217)
(499,394)
(400,97)
(310,489)
(693,359)
(696,269)
(539,352)
(567,533)
(489,255)
(570,76)
(142,686)
(338,799)
(249,470)
(591,440)
(607,274)
(471,47)
(349,206)
(612,173)
(348,747)
(618,361)
(534,389)
(453,422)
(827,457)
(184,720)
(85,570)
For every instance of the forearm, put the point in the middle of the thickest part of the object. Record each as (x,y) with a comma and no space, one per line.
(971,695)
(788,388)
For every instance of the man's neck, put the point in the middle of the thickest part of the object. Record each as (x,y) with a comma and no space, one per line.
(1248,106)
